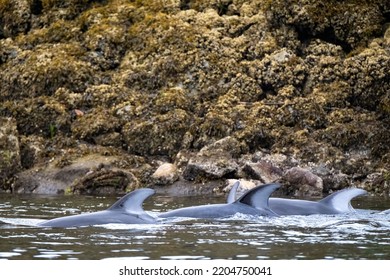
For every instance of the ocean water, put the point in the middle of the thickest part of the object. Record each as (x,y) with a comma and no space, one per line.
(361,235)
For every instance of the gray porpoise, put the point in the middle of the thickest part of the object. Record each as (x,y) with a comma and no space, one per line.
(336,203)
(254,202)
(127,210)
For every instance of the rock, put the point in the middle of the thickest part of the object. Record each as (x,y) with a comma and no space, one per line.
(43,71)
(325,62)
(211,86)
(216,167)
(348,25)
(10,162)
(32,150)
(228,145)
(279,69)
(368,73)
(304,182)
(333,180)
(189,188)
(105,181)
(110,139)
(378,183)
(8,50)
(214,161)
(41,116)
(386,36)
(245,185)
(264,171)
(15,17)
(95,175)
(164,133)
(182,158)
(166,173)
(95,124)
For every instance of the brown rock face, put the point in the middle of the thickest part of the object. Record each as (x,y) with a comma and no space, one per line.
(222,88)
(9,151)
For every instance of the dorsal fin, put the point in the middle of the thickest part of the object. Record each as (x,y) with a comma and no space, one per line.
(132,202)
(341,200)
(385,211)
(232,194)
(258,196)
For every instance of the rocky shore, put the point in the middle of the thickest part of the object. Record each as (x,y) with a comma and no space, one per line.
(102,97)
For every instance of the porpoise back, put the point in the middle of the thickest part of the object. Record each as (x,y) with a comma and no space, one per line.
(336,203)
(253,202)
(127,210)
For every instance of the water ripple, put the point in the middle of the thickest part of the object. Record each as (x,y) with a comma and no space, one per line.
(361,235)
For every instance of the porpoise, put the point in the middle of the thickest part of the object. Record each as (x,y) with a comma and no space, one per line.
(127,210)
(337,203)
(253,202)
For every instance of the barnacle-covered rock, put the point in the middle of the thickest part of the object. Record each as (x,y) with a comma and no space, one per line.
(32,150)
(223,89)
(104,181)
(14,17)
(160,135)
(44,70)
(324,63)
(215,161)
(368,74)
(347,23)
(106,35)
(279,69)
(97,122)
(43,115)
(10,162)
